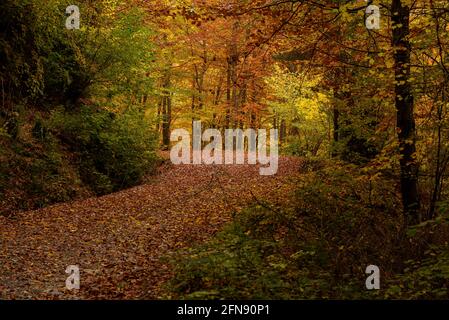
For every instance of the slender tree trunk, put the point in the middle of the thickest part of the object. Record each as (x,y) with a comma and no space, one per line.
(336,128)
(159,111)
(283,131)
(243,98)
(216,102)
(441,160)
(235,101)
(193,102)
(234,62)
(404,110)
(275,121)
(167,121)
(228,94)
(166,112)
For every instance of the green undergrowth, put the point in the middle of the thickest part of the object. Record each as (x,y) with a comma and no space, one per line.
(343,220)
(62,156)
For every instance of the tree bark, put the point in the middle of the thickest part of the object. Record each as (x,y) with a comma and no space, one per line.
(166,112)
(228,94)
(404,111)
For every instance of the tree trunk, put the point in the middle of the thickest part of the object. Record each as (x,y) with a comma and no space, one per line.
(228,94)
(404,110)
(283,131)
(335,119)
(166,112)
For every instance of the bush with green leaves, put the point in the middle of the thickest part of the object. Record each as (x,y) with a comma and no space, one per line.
(44,61)
(232,266)
(46,66)
(320,247)
(250,259)
(423,279)
(317,248)
(293,147)
(35,173)
(114,150)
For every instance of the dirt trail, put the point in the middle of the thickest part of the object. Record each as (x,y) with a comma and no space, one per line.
(117,240)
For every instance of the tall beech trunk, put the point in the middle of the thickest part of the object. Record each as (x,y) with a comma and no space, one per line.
(404,112)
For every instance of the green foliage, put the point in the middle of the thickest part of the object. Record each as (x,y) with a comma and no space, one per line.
(39,131)
(49,180)
(297,146)
(231,266)
(293,147)
(301,104)
(425,279)
(21,67)
(318,248)
(35,174)
(115,151)
(106,60)
(249,261)
(45,60)
(362,210)
(355,146)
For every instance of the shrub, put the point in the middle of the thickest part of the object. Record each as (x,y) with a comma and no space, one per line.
(343,220)
(34,172)
(302,147)
(114,151)
(231,266)
(425,279)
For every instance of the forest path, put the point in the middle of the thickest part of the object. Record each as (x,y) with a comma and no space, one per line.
(117,240)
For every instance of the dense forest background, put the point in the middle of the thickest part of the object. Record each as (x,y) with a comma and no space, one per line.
(87,112)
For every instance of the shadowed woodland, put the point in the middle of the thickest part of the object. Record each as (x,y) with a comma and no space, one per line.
(86,117)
